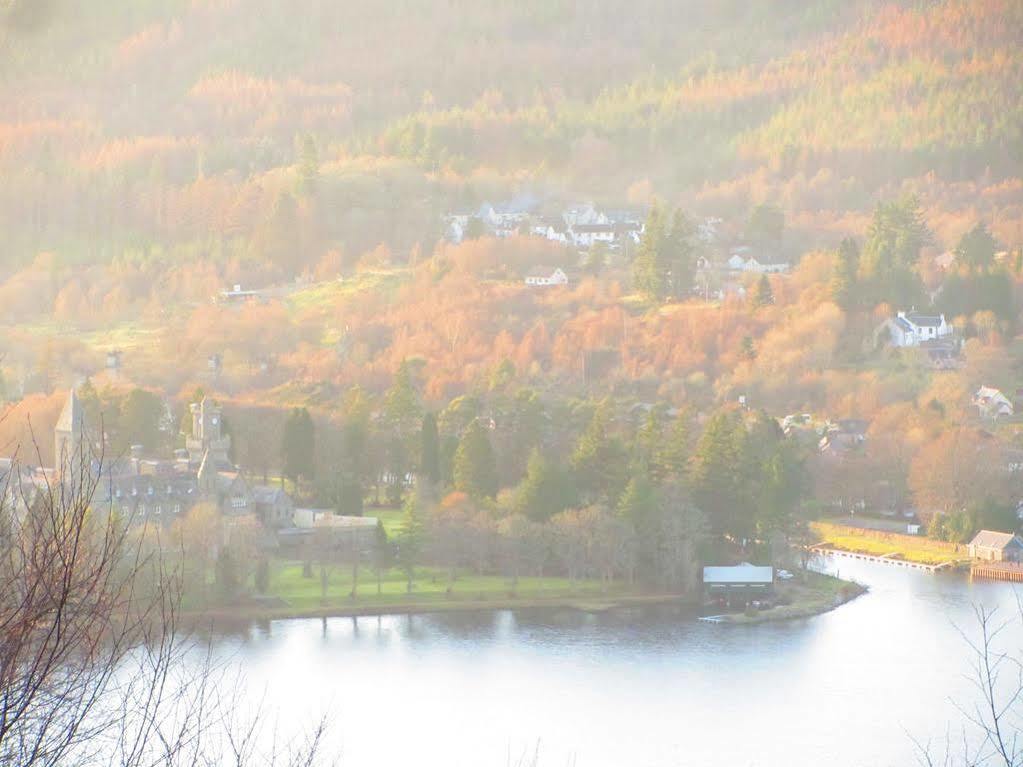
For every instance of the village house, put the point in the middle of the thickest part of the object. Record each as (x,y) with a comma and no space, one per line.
(912,328)
(587,235)
(843,437)
(996,547)
(742,259)
(543,276)
(991,403)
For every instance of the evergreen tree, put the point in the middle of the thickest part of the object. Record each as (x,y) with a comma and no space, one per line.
(713,472)
(599,459)
(262,576)
(383,554)
(141,414)
(648,441)
(411,541)
(298,445)
(308,167)
(401,404)
(845,274)
(896,236)
(429,454)
(226,575)
(672,461)
(678,256)
(475,468)
(546,489)
(648,269)
(763,295)
(976,249)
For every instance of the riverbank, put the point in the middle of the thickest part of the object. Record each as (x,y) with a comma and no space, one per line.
(291,594)
(807,595)
(890,546)
(268,610)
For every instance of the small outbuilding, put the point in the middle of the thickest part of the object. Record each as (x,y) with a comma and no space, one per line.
(996,547)
(738,581)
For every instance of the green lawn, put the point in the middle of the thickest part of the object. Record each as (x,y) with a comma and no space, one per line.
(429,586)
(391,516)
(910,548)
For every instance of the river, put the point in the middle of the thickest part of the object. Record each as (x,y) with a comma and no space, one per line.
(635,688)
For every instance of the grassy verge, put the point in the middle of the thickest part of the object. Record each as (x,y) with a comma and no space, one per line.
(291,595)
(906,547)
(808,594)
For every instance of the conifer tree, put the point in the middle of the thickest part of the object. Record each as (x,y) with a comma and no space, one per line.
(475,468)
(763,295)
(429,454)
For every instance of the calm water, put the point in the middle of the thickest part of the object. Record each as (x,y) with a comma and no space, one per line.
(634,688)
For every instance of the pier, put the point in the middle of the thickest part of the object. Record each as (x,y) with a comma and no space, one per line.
(998,571)
(888,559)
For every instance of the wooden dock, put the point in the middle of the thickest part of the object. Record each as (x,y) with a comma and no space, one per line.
(998,571)
(887,559)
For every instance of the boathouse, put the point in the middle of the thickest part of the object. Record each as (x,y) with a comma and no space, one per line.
(996,547)
(743,580)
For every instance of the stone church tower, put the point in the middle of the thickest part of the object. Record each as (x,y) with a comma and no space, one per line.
(207,441)
(69,433)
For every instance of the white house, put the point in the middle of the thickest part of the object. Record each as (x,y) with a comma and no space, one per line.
(584,214)
(766,265)
(992,403)
(586,235)
(912,328)
(545,275)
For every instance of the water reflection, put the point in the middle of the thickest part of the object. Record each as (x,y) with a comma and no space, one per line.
(643,686)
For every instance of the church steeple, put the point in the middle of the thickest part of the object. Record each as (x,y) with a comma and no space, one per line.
(207,435)
(69,432)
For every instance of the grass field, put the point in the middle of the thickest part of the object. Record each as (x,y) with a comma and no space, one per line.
(430,586)
(908,547)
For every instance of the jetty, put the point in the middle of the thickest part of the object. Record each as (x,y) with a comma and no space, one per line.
(998,571)
(885,559)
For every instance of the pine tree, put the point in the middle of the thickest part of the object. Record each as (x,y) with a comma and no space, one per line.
(411,541)
(298,445)
(976,249)
(429,454)
(763,295)
(678,256)
(475,468)
(845,274)
(546,489)
(673,455)
(713,471)
(648,272)
(599,460)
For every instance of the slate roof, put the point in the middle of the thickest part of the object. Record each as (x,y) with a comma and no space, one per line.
(989,539)
(72,416)
(924,320)
(744,573)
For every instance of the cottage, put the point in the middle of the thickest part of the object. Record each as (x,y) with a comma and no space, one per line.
(996,547)
(991,403)
(541,276)
(911,328)
(587,235)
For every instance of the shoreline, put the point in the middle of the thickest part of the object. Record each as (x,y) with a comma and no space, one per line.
(582,603)
(830,593)
(821,594)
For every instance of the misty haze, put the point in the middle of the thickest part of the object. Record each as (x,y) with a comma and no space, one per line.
(548,383)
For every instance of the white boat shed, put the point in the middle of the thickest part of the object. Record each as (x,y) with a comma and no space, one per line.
(737,578)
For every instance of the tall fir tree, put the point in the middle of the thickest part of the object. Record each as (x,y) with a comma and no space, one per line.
(475,468)
(429,450)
